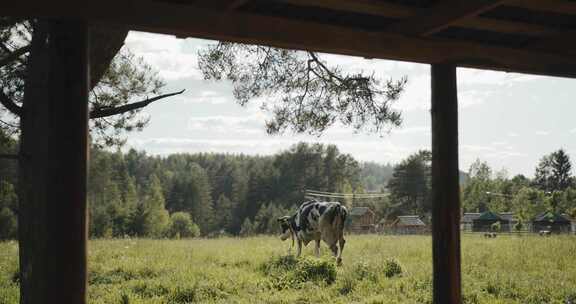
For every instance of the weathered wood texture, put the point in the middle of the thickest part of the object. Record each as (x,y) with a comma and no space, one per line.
(53,166)
(468,33)
(445,186)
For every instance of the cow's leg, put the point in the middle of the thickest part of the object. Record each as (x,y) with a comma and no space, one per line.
(299,250)
(334,248)
(317,249)
(342,241)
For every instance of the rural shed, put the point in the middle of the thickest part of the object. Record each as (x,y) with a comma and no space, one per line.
(408,224)
(553,222)
(361,219)
(467,220)
(487,219)
(526,36)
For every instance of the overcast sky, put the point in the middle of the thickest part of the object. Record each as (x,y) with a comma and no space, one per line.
(509,120)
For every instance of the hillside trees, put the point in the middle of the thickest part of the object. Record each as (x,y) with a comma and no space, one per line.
(410,184)
(550,190)
(220,193)
(181,225)
(475,195)
(553,172)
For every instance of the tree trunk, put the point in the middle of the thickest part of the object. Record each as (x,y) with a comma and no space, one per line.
(53,166)
(445,186)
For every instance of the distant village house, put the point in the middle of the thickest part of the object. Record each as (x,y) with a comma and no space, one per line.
(553,222)
(361,220)
(408,224)
(487,221)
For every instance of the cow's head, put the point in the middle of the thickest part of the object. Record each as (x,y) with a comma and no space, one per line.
(285,227)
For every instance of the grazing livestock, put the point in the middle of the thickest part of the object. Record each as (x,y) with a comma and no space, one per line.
(490,234)
(317,221)
(545,232)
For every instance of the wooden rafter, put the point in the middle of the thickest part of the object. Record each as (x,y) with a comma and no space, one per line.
(281,32)
(190,20)
(565,40)
(503,26)
(444,14)
(234,4)
(391,10)
(371,7)
(553,6)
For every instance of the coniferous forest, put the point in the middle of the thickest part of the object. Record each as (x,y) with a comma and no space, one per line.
(208,194)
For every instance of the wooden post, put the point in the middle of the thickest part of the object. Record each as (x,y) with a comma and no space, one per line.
(53,166)
(445,186)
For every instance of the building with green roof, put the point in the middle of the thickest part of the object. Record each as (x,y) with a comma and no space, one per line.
(553,222)
(487,220)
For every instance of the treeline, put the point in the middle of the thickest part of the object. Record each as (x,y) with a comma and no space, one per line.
(135,194)
(553,188)
(186,195)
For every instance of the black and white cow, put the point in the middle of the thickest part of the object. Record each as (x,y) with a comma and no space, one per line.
(317,221)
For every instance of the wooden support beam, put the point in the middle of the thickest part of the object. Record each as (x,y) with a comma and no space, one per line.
(445,186)
(234,26)
(441,16)
(185,20)
(54,138)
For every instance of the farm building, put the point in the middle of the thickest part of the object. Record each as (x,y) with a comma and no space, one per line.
(511,218)
(362,219)
(408,224)
(553,222)
(466,220)
(487,219)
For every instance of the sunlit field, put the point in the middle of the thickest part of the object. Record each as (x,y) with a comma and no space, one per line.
(376,269)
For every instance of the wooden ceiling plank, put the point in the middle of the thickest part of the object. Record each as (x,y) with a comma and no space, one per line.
(552,6)
(282,32)
(370,7)
(562,42)
(441,16)
(235,4)
(506,27)
(190,21)
(380,8)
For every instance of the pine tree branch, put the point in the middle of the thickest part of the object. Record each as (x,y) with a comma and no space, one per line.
(14,55)
(10,105)
(109,111)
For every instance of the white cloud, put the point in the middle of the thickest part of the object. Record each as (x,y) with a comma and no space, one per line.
(413,130)
(210,97)
(165,53)
(542,133)
(467,76)
(512,134)
(499,143)
(253,124)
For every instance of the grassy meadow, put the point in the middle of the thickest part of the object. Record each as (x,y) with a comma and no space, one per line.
(376,269)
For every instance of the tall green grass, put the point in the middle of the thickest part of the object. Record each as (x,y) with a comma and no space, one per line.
(376,269)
